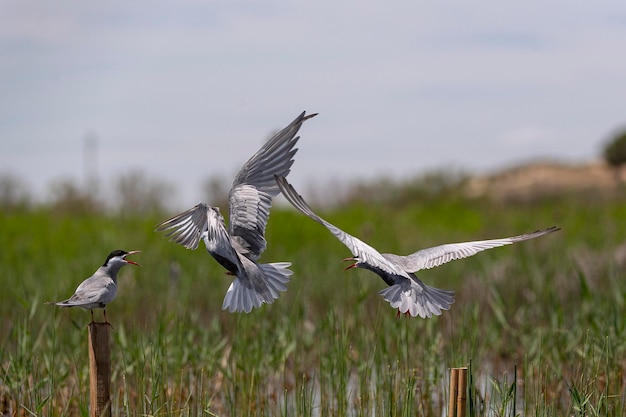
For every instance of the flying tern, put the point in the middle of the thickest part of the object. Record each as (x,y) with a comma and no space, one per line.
(239,247)
(406,291)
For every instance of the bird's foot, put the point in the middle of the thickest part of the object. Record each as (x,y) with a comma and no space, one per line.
(406,314)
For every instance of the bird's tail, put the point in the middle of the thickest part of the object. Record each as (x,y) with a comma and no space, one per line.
(422,300)
(264,287)
(65,303)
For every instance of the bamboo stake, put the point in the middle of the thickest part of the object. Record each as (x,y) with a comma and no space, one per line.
(99,370)
(454,378)
(457,403)
(461,399)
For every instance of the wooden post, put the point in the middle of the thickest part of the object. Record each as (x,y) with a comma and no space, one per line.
(461,395)
(99,370)
(457,404)
(454,381)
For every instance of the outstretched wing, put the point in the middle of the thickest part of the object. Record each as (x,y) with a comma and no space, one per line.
(439,255)
(187,227)
(360,250)
(250,197)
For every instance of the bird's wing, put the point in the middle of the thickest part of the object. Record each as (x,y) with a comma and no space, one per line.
(249,213)
(439,255)
(250,197)
(360,250)
(187,227)
(92,290)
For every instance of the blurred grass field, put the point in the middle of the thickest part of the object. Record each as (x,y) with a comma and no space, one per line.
(541,322)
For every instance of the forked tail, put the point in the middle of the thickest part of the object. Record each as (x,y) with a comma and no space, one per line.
(265,286)
(418,300)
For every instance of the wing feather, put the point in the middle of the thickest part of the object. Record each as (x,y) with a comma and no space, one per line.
(439,255)
(250,198)
(361,250)
(187,227)
(92,291)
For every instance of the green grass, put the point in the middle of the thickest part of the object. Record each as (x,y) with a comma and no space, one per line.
(542,322)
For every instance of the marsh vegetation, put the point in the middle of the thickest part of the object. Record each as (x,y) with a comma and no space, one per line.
(542,323)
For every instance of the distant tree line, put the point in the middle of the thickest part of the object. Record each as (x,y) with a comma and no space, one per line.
(135,193)
(132,193)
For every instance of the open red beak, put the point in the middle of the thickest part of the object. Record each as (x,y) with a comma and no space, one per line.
(349,260)
(128,260)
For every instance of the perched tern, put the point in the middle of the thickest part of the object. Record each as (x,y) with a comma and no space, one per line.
(239,247)
(99,289)
(406,292)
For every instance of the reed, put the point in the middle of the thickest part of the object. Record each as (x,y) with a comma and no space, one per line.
(542,324)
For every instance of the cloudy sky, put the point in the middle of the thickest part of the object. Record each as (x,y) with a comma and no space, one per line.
(188,90)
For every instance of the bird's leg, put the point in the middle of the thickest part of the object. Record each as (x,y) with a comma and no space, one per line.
(104,310)
(406,314)
(349,260)
(92,320)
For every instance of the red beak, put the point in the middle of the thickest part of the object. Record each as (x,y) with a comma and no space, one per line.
(349,260)
(130,253)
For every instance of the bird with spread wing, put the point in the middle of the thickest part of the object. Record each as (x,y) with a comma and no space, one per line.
(238,247)
(405,291)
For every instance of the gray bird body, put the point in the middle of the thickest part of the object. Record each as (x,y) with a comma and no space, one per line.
(101,288)
(406,291)
(238,247)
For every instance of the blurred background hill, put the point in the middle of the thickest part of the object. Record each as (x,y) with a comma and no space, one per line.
(135,193)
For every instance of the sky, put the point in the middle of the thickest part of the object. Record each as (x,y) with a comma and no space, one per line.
(188,90)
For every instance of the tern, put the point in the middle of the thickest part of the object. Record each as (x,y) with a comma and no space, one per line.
(239,247)
(406,291)
(101,288)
